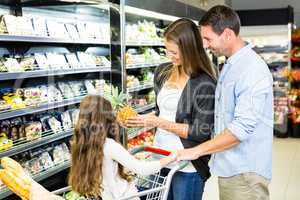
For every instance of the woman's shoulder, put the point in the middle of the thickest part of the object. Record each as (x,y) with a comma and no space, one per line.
(203,78)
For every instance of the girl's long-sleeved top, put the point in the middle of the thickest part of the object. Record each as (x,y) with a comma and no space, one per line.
(195,108)
(114,187)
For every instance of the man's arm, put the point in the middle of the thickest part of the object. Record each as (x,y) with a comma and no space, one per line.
(221,142)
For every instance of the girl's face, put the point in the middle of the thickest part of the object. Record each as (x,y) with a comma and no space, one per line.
(173,52)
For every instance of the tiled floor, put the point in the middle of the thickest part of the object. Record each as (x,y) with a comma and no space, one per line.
(286,172)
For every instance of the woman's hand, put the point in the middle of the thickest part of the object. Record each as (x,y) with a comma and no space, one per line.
(148,120)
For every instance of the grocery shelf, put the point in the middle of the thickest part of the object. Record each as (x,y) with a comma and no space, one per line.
(57,2)
(278,64)
(141,109)
(146,65)
(50,137)
(144,43)
(269,49)
(39,108)
(39,39)
(137,132)
(54,72)
(144,86)
(41,176)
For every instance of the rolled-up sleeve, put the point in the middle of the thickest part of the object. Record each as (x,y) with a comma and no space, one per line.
(251,97)
(201,126)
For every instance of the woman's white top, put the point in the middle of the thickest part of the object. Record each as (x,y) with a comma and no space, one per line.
(167,101)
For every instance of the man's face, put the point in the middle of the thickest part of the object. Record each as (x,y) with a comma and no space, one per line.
(212,41)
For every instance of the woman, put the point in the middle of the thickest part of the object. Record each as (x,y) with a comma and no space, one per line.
(185,105)
(98,157)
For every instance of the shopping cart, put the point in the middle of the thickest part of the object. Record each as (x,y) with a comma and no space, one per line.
(155,187)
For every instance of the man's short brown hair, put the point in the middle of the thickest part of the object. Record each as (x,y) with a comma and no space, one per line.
(220,17)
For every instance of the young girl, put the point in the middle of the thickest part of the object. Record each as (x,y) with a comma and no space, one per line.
(98,158)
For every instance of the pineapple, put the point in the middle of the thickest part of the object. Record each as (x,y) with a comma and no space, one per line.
(118,101)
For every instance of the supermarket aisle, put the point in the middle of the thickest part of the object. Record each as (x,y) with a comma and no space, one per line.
(286,172)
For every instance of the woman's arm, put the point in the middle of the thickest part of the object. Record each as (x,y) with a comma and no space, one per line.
(118,153)
(152,121)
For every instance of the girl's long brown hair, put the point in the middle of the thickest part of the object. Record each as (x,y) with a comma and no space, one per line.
(186,35)
(96,122)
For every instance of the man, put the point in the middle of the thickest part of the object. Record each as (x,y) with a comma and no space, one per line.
(242,144)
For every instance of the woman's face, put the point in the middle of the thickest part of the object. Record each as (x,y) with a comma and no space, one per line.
(173,52)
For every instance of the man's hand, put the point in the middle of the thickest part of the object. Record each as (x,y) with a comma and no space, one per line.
(187,154)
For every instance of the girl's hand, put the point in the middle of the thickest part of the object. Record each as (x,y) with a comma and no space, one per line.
(148,120)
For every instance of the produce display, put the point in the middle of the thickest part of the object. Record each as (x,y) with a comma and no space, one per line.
(145,138)
(145,55)
(142,32)
(39,26)
(145,76)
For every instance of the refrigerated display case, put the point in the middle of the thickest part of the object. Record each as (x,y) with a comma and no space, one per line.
(54,53)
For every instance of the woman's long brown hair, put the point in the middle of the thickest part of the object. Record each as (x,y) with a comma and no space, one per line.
(186,35)
(96,122)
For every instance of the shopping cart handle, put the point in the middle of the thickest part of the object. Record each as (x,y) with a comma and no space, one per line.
(182,164)
(150,149)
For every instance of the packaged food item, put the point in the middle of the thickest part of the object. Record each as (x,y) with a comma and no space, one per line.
(77,88)
(72,31)
(58,155)
(5,143)
(57,61)
(14,101)
(32,96)
(74,116)
(12,65)
(44,120)
(27,63)
(5,127)
(81,27)
(4,106)
(67,155)
(73,61)
(45,161)
(11,24)
(3,29)
(25,25)
(42,61)
(56,29)
(34,166)
(86,60)
(44,94)
(54,94)
(40,27)
(66,120)
(3,68)
(16,129)
(55,125)
(66,90)
(33,130)
(90,87)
